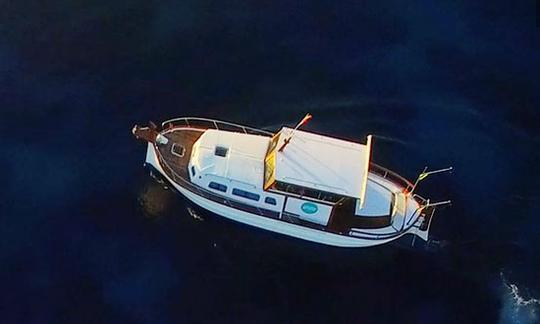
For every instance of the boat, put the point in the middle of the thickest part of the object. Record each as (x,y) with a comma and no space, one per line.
(292,182)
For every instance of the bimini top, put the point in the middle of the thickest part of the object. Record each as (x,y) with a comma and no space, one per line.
(234,156)
(321,163)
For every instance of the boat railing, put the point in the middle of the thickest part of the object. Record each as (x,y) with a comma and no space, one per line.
(207,123)
(424,211)
(428,212)
(421,200)
(390,175)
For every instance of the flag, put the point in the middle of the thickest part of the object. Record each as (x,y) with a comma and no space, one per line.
(304,120)
(422,176)
(287,140)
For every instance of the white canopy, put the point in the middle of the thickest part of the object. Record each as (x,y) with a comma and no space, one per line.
(309,160)
(323,163)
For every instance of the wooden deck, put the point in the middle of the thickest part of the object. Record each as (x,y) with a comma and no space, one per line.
(177,151)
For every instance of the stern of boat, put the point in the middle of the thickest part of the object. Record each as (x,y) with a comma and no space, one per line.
(426,212)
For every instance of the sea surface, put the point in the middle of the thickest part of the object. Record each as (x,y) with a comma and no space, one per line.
(86,236)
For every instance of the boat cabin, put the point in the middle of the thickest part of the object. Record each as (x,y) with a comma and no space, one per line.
(298,176)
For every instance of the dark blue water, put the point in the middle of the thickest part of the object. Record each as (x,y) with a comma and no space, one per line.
(87,237)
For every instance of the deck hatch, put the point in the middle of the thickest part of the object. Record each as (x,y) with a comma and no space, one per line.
(178,150)
(221,151)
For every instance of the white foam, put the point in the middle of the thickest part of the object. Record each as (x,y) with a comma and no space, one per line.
(516,308)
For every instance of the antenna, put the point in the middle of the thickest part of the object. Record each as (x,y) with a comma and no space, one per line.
(439,203)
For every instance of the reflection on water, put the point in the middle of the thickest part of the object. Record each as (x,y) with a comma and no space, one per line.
(154,200)
(194,214)
(517,308)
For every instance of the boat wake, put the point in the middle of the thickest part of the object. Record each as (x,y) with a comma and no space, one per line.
(515,307)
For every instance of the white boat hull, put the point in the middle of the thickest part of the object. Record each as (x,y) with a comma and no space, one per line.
(274,225)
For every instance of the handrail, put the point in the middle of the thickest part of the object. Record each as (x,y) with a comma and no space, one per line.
(420,209)
(421,200)
(390,175)
(430,219)
(214,124)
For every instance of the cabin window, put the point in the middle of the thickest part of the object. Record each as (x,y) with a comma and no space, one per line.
(193,171)
(297,190)
(221,151)
(245,194)
(217,186)
(270,201)
(327,196)
(307,192)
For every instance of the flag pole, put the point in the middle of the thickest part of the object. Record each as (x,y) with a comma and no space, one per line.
(424,175)
(417,180)
(288,139)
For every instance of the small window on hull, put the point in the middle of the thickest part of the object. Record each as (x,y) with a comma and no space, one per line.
(193,171)
(221,151)
(270,201)
(217,186)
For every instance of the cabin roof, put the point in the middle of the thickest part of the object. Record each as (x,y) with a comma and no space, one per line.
(243,160)
(323,163)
